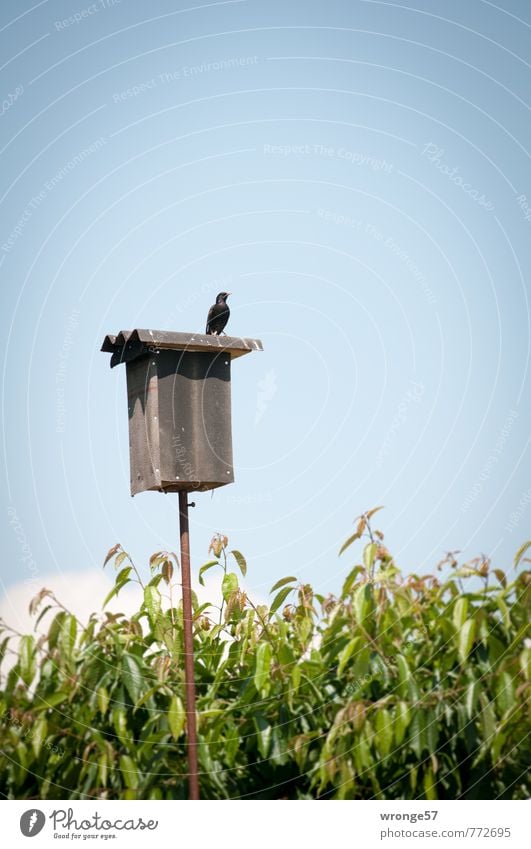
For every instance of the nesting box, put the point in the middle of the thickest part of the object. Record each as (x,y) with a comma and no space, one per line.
(179,404)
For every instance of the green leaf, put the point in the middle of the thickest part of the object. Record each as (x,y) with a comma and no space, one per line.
(432,731)
(369,553)
(488,717)
(402,719)
(350,579)
(349,542)
(153,603)
(129,772)
(229,585)
(41,615)
(466,639)
(26,659)
(263,734)
(132,676)
(460,612)
(176,717)
(430,784)
(404,674)
(295,679)
(119,721)
(122,579)
(67,636)
(417,732)
(280,598)
(520,553)
(504,610)
(282,583)
(363,602)
(262,679)
(240,560)
(504,693)
(39,733)
(53,699)
(205,568)
(160,687)
(384,732)
(103,769)
(103,700)
(346,654)
(471,698)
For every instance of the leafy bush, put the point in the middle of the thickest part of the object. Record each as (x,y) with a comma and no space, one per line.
(399,688)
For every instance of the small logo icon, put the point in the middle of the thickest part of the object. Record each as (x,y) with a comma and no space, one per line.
(32,822)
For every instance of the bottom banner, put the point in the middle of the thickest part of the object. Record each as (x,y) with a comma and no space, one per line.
(307,823)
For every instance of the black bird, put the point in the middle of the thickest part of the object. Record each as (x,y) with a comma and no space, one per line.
(218,315)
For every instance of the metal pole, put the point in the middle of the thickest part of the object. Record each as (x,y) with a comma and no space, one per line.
(193,772)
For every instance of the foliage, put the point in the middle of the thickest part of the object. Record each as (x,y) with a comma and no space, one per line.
(399,688)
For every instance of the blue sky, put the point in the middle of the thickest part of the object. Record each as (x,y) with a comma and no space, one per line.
(357,174)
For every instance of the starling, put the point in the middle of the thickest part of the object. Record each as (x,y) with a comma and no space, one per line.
(218,315)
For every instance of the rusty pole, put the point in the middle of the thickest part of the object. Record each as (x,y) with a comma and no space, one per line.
(193,772)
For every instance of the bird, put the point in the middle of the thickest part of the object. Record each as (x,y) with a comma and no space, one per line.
(218,315)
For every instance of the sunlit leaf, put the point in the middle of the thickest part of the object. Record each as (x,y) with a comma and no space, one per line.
(26,659)
(262,680)
(384,732)
(346,653)
(282,583)
(280,598)
(176,717)
(471,698)
(460,612)
(132,676)
(153,602)
(466,639)
(240,560)
(349,542)
(205,568)
(369,553)
(520,553)
(229,585)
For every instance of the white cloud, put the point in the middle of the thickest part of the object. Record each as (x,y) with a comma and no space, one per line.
(83,593)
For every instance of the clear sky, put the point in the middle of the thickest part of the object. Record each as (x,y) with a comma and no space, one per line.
(357,175)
